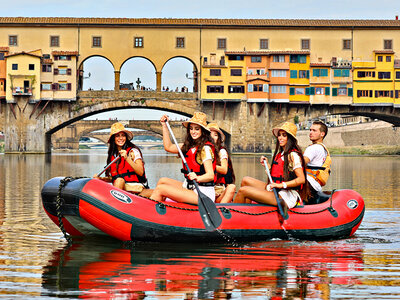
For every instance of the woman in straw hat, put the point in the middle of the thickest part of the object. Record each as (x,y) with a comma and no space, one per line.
(224,186)
(128,172)
(200,155)
(287,171)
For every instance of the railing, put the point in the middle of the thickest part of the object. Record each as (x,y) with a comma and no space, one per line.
(19,91)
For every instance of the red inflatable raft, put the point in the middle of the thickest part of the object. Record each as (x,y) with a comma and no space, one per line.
(92,207)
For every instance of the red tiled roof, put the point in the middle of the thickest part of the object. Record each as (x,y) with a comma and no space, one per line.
(320,64)
(4,49)
(270,52)
(68,21)
(74,53)
(22,53)
(384,51)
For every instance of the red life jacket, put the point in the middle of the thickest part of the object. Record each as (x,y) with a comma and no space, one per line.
(126,171)
(277,173)
(199,168)
(227,178)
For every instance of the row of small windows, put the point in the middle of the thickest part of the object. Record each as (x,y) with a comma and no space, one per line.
(378,93)
(61,86)
(381,75)
(46,68)
(305,44)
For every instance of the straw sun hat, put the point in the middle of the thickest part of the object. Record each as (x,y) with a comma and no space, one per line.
(198,118)
(215,127)
(289,127)
(117,128)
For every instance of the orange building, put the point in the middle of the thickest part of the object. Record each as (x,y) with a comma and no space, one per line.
(279,76)
(3,73)
(257,77)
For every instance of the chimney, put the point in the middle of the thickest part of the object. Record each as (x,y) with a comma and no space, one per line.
(397,17)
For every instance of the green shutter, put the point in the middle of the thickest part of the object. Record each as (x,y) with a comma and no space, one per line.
(291,91)
(350,92)
(337,73)
(293,74)
(308,74)
(312,90)
(346,73)
(315,72)
(334,91)
(324,72)
(327,90)
(307,91)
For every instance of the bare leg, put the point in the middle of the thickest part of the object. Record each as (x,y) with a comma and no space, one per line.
(228,194)
(169,181)
(250,181)
(248,193)
(119,183)
(178,194)
(146,193)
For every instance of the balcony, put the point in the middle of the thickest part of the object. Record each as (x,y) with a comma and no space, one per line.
(20,91)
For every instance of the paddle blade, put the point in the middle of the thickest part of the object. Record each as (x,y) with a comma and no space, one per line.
(209,212)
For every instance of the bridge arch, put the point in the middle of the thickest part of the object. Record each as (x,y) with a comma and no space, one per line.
(191,75)
(138,67)
(87,78)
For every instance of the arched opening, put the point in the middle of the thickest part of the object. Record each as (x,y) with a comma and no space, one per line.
(179,74)
(96,73)
(137,73)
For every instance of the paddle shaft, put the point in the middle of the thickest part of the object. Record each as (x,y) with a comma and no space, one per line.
(274,189)
(113,161)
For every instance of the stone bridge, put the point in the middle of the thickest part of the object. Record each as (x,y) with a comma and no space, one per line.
(247,125)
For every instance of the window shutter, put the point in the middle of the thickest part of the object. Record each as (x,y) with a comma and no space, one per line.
(291,91)
(250,88)
(370,93)
(312,90)
(350,92)
(69,86)
(54,86)
(55,71)
(308,74)
(222,89)
(324,72)
(69,57)
(336,73)
(376,94)
(208,89)
(41,87)
(334,91)
(327,90)
(307,91)
(265,88)
(358,93)
(346,73)
(293,74)
(396,94)
(69,72)
(56,57)
(315,72)
(391,94)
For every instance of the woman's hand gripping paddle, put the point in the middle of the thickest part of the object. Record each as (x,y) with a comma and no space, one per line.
(207,209)
(280,209)
(106,167)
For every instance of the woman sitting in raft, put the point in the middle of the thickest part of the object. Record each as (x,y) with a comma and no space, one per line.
(200,155)
(128,172)
(224,186)
(287,171)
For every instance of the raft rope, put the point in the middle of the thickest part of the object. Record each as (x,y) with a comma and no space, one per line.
(59,203)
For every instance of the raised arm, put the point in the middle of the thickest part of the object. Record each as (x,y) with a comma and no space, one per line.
(168,145)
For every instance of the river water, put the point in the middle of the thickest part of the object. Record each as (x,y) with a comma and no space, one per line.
(35,261)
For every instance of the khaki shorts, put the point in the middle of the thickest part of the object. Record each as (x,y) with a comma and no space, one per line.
(134,187)
(219,189)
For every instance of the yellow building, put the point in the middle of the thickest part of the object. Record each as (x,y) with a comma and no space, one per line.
(23,76)
(375,81)
(299,90)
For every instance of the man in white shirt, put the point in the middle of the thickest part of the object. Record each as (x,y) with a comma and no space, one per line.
(315,155)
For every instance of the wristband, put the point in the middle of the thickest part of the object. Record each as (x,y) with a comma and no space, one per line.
(284,185)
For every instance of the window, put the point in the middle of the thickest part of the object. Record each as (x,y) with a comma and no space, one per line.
(305,44)
(388,58)
(256,59)
(260,71)
(14,66)
(263,43)
(62,70)
(362,74)
(319,91)
(388,44)
(1,56)
(380,58)
(379,94)
(96,42)
(215,72)
(46,86)
(341,73)
(62,57)
(278,89)
(54,41)
(278,58)
(221,44)
(180,42)
(13,40)
(236,89)
(383,75)
(364,93)
(257,87)
(236,57)
(303,74)
(397,75)
(278,73)
(63,86)
(299,91)
(31,67)
(346,44)
(138,42)
(236,72)
(215,89)
(293,73)
(301,59)
(46,68)
(342,91)
(320,72)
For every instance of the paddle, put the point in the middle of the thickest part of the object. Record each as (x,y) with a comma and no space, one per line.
(284,216)
(106,167)
(207,209)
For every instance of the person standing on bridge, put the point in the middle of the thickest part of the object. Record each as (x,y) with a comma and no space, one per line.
(287,172)
(128,172)
(199,151)
(318,160)
(225,184)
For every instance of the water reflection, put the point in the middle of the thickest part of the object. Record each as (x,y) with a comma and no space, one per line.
(253,271)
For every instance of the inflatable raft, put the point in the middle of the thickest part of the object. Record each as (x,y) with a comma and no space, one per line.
(88,206)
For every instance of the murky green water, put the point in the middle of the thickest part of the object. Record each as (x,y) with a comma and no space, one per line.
(35,261)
